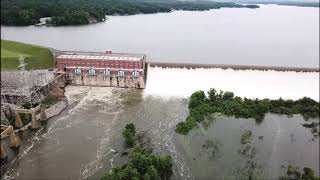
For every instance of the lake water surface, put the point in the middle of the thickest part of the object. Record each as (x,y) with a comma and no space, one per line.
(270,35)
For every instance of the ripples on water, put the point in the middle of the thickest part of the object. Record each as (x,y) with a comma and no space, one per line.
(85,141)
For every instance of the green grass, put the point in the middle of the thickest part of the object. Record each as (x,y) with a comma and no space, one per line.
(36,57)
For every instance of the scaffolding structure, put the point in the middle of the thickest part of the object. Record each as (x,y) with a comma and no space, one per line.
(19,87)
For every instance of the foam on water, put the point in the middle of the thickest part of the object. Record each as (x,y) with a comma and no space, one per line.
(245,83)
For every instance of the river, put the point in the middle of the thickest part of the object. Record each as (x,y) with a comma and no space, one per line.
(270,35)
(85,141)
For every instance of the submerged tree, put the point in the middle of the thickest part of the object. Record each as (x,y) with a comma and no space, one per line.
(293,173)
(128,134)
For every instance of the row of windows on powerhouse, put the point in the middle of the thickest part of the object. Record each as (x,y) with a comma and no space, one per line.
(108,72)
(99,64)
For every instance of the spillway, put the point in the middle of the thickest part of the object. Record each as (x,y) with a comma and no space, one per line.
(270,84)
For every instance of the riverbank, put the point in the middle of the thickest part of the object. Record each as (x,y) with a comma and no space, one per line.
(36,57)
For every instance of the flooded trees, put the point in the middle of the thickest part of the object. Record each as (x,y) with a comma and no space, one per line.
(142,163)
(293,173)
(200,106)
(128,134)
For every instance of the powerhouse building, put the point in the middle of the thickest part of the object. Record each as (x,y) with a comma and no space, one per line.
(103,69)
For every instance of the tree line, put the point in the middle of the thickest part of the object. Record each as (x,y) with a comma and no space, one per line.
(200,106)
(73,12)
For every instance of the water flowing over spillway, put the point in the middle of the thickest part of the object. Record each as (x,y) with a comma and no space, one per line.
(85,141)
(244,83)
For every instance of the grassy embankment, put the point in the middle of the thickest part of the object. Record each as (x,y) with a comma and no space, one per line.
(36,57)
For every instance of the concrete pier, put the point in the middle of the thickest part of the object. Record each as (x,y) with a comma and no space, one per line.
(126,81)
(9,131)
(3,153)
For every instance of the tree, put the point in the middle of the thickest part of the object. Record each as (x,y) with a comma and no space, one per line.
(212,94)
(196,99)
(228,95)
(151,174)
(128,133)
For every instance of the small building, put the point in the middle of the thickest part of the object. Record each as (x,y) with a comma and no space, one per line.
(43,21)
(103,69)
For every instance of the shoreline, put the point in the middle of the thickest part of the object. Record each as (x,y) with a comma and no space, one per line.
(256,5)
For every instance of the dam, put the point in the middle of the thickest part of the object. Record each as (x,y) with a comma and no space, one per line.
(129,70)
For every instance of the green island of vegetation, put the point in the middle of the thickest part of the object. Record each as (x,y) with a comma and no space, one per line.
(142,164)
(76,12)
(293,173)
(200,106)
(36,57)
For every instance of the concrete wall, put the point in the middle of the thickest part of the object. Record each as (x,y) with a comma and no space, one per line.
(85,79)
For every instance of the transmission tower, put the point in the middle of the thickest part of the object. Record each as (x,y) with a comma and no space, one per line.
(22,65)
(23,86)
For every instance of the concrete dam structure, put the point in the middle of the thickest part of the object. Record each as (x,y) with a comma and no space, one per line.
(129,70)
(102,69)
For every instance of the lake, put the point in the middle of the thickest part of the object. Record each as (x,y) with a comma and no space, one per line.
(270,35)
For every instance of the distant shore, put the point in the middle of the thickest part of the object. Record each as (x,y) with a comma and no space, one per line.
(79,12)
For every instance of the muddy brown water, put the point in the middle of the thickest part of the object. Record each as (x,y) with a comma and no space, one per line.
(85,141)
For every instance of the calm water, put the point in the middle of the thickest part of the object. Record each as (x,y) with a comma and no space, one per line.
(80,143)
(270,35)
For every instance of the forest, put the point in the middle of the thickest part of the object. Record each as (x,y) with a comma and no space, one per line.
(77,12)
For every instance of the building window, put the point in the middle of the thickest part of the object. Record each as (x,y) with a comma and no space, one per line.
(120,72)
(92,71)
(107,72)
(135,73)
(77,71)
